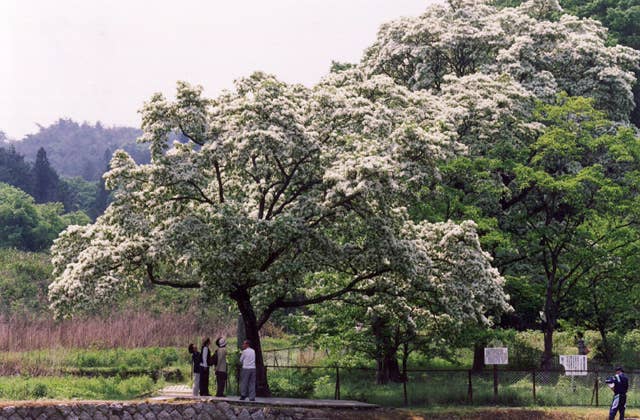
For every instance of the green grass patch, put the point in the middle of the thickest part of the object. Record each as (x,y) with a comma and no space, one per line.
(500,413)
(70,387)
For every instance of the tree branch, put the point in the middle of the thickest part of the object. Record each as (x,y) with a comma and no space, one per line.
(281,303)
(184,133)
(219,179)
(202,194)
(156,281)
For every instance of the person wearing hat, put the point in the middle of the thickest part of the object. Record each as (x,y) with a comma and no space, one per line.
(220,360)
(619,383)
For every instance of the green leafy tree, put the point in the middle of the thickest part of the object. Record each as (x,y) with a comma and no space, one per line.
(29,226)
(582,169)
(548,199)
(18,219)
(14,170)
(80,194)
(610,287)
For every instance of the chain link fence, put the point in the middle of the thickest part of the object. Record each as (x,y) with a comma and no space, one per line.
(427,387)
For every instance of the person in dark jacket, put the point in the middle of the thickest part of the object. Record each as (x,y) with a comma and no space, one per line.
(619,383)
(195,361)
(205,356)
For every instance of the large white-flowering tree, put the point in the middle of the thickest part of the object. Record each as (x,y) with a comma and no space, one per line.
(544,53)
(282,197)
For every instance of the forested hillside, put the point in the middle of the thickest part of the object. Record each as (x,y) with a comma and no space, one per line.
(41,184)
(80,150)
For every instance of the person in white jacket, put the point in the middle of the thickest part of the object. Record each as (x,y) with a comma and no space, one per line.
(248,373)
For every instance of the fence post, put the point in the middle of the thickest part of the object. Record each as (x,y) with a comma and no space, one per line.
(495,382)
(534,385)
(337,393)
(404,391)
(596,389)
(470,388)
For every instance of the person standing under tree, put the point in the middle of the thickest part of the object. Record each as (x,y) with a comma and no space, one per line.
(195,361)
(582,347)
(220,360)
(248,375)
(204,367)
(619,383)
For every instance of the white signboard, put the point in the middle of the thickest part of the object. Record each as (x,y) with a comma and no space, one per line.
(574,365)
(496,356)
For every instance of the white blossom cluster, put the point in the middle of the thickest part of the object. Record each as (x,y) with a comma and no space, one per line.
(544,54)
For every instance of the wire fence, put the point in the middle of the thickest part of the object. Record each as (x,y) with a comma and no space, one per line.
(426,387)
(292,355)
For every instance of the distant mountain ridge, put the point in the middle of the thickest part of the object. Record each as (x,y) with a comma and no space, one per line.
(80,150)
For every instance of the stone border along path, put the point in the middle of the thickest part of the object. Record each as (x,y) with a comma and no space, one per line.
(186,409)
(176,402)
(183,392)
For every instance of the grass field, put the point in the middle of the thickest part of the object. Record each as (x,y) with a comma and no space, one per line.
(72,387)
(100,374)
(123,373)
(498,413)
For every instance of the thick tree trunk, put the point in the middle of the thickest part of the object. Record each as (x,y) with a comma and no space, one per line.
(252,333)
(478,356)
(388,369)
(547,355)
(607,352)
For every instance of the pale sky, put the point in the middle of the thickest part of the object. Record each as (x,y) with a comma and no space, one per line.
(93,60)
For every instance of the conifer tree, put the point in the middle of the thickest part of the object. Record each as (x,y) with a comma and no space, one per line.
(45,179)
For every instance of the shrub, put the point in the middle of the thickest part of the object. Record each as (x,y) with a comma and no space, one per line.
(292,383)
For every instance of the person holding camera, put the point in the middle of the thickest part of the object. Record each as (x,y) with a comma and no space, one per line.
(619,383)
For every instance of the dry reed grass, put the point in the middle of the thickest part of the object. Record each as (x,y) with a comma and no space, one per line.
(125,330)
